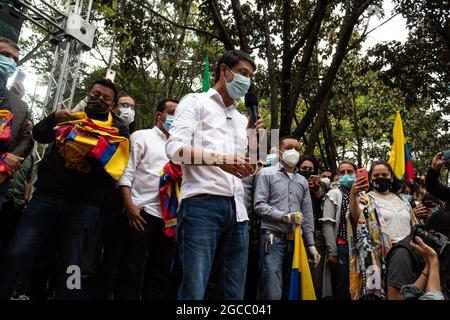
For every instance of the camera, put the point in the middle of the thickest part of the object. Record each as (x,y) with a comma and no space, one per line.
(437,241)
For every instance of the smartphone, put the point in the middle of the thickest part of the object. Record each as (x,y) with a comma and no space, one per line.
(362,172)
(446,155)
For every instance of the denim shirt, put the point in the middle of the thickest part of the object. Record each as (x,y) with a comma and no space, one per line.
(276,194)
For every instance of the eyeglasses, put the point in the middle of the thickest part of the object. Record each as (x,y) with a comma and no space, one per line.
(126,105)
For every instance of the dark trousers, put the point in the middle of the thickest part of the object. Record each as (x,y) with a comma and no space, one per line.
(147,263)
(9,218)
(115,230)
(76,222)
(340,276)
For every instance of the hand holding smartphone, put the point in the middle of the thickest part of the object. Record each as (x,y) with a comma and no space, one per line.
(362,172)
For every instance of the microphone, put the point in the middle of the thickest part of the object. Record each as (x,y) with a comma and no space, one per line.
(251,102)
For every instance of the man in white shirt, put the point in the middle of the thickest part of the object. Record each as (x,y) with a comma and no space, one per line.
(139,187)
(208,136)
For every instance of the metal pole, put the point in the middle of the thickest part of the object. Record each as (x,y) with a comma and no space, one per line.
(61,84)
(89,9)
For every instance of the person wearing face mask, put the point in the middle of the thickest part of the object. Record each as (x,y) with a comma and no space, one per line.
(381,219)
(21,143)
(145,239)
(283,201)
(126,110)
(208,137)
(65,199)
(337,232)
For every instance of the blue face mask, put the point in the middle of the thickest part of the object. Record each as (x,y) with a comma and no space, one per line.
(168,122)
(7,67)
(434,210)
(238,87)
(270,159)
(347,180)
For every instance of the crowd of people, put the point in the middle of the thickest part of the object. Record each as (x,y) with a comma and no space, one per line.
(178,211)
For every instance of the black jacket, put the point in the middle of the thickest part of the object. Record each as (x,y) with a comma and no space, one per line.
(55,179)
(434,186)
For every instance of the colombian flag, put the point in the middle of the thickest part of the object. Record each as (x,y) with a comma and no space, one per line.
(169,196)
(400,157)
(77,140)
(301,286)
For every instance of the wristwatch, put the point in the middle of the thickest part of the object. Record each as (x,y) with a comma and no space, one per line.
(285,218)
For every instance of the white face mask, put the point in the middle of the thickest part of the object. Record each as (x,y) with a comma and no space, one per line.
(127,114)
(327,181)
(290,157)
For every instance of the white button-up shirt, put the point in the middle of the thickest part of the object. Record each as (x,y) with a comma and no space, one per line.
(147,159)
(203,122)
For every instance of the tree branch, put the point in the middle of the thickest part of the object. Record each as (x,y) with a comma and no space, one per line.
(218,22)
(239,19)
(175,24)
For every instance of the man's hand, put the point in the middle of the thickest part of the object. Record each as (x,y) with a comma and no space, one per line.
(259,125)
(437,163)
(426,251)
(14,162)
(422,212)
(315,255)
(236,165)
(63,115)
(295,218)
(134,217)
(361,184)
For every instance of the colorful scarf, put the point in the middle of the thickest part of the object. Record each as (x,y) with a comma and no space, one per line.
(5,138)
(301,286)
(169,195)
(368,261)
(78,140)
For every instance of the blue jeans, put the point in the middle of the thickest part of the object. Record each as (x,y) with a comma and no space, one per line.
(275,267)
(76,222)
(208,229)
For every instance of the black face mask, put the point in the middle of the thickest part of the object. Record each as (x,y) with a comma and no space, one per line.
(96,109)
(382,184)
(306,173)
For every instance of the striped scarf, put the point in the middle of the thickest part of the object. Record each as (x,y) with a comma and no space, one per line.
(169,195)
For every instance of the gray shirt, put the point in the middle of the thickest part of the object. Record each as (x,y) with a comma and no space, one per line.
(276,194)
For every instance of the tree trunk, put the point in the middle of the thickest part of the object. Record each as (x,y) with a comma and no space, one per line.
(240,24)
(350,20)
(330,146)
(286,71)
(271,69)
(317,126)
(218,22)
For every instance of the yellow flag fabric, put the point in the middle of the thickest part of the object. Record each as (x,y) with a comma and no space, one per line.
(397,155)
(81,138)
(300,272)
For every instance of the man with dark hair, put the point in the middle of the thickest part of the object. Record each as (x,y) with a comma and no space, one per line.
(66,197)
(283,201)
(139,186)
(208,136)
(21,142)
